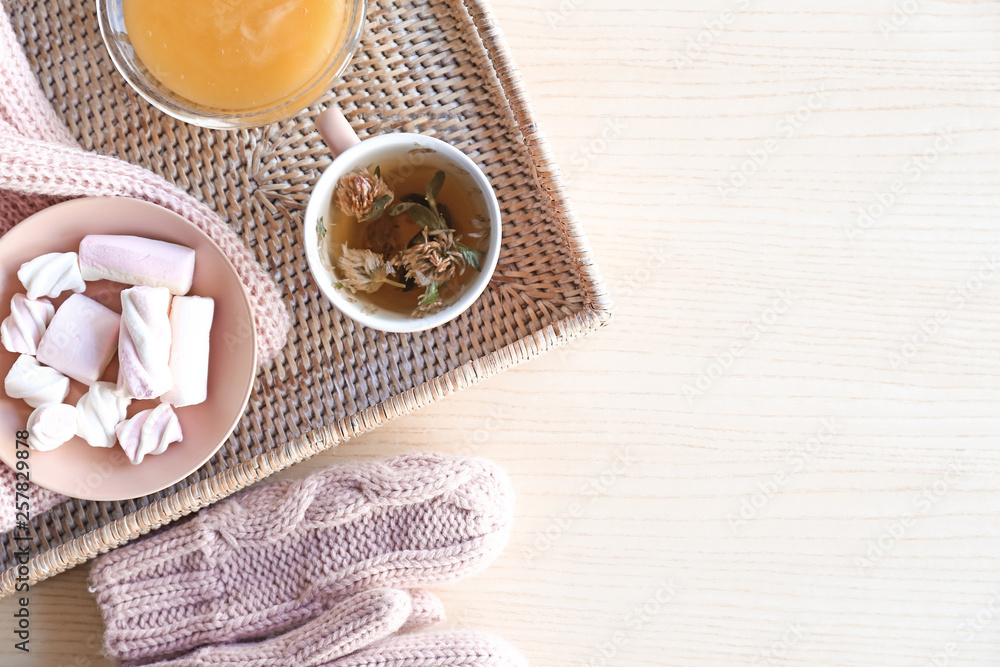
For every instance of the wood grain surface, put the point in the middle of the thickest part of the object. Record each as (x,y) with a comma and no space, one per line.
(785,450)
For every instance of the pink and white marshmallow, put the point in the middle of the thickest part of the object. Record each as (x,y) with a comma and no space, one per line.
(149,433)
(22,330)
(144,343)
(98,413)
(34,383)
(81,339)
(190,327)
(51,425)
(134,260)
(52,274)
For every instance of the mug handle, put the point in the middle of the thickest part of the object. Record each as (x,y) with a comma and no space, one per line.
(336,131)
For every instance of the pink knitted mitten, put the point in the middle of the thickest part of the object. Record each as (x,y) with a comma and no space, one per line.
(436,649)
(353,624)
(432,649)
(277,556)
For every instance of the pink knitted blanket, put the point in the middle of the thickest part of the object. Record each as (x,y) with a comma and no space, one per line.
(41,164)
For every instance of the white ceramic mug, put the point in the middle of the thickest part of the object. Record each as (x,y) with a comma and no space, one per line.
(352,154)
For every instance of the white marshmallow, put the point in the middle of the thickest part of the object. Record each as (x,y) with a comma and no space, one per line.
(35,383)
(52,274)
(98,412)
(144,343)
(22,330)
(191,326)
(149,432)
(51,425)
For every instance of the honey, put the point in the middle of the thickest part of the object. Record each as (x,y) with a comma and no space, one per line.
(236,55)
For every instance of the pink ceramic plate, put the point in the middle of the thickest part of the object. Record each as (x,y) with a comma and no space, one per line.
(77,469)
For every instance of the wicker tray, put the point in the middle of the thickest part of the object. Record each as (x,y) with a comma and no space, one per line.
(438,67)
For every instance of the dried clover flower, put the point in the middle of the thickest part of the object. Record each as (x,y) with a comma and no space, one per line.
(364,271)
(436,260)
(362,195)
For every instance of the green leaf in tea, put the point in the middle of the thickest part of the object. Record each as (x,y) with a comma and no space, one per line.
(431,296)
(378,208)
(472,257)
(321,228)
(420,214)
(434,189)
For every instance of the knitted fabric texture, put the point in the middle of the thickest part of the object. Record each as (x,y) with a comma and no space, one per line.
(41,165)
(40,499)
(432,649)
(354,624)
(277,556)
(436,649)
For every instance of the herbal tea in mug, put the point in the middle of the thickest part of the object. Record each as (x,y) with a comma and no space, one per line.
(408,239)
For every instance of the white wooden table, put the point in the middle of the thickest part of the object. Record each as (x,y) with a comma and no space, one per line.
(786,448)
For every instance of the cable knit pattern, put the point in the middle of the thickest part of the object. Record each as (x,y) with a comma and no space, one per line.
(22,330)
(437,649)
(315,644)
(278,555)
(427,609)
(40,164)
(353,624)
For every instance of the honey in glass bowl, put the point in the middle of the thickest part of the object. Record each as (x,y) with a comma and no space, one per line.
(236,54)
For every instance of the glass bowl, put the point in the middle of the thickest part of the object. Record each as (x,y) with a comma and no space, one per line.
(112,20)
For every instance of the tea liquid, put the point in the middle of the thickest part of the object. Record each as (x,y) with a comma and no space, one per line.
(235,54)
(458,195)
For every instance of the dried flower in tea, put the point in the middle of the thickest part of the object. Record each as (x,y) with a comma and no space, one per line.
(436,260)
(362,195)
(364,271)
(419,232)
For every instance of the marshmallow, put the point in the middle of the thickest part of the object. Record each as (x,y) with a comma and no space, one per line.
(137,261)
(22,330)
(149,432)
(51,425)
(98,412)
(81,339)
(52,274)
(35,383)
(190,325)
(144,343)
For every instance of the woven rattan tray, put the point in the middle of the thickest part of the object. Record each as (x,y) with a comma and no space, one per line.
(438,67)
